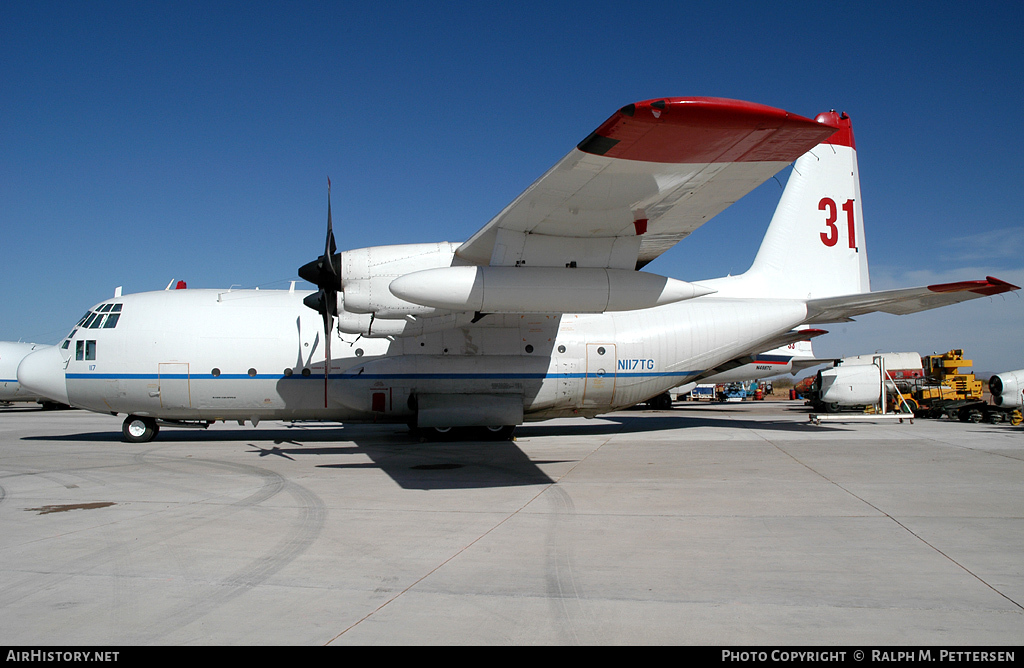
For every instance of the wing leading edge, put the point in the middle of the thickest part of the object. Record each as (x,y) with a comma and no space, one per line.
(645,179)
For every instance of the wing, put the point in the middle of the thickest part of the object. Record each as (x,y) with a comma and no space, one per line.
(902,301)
(646,178)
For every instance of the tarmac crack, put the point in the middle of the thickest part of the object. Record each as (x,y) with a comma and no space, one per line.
(898,523)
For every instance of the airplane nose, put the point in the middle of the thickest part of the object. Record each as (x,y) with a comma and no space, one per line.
(42,372)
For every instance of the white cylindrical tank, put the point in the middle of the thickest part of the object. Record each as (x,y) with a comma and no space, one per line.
(541,289)
(897,365)
(854,385)
(1007,388)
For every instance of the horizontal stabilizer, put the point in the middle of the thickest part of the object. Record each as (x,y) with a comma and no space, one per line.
(801,363)
(903,300)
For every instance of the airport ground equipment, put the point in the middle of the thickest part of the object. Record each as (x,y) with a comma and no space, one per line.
(949,389)
(930,386)
(852,384)
(859,384)
(703,391)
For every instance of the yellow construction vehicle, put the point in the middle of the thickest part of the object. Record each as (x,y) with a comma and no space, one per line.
(949,389)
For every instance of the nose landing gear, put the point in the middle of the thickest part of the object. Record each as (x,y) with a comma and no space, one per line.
(139,429)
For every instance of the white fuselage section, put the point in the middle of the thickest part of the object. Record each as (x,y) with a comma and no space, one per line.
(11,354)
(251,355)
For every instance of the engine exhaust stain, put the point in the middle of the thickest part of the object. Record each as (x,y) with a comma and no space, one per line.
(45,510)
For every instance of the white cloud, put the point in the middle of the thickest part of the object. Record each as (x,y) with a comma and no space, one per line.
(988,246)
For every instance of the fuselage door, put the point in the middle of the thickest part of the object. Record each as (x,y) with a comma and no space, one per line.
(599,386)
(173,379)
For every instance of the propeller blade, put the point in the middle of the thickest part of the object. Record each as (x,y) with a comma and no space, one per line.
(330,296)
(328,325)
(332,248)
(322,273)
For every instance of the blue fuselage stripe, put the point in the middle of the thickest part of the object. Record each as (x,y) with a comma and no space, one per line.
(373,376)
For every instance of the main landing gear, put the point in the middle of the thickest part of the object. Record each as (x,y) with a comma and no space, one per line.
(496,433)
(139,429)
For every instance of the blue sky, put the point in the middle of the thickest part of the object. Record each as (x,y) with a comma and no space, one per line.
(144,142)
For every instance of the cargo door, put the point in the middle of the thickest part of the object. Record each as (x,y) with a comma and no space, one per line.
(173,385)
(599,385)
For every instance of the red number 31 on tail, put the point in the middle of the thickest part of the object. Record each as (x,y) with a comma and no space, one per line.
(828,205)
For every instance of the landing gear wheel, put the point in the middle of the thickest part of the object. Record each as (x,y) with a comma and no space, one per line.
(502,433)
(662,402)
(139,429)
(434,434)
(446,434)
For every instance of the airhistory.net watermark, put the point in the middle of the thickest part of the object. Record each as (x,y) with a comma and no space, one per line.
(58,656)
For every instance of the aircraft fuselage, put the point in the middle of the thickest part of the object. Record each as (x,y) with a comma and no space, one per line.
(250,355)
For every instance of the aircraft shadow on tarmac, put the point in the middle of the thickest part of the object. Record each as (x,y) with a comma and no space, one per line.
(414,464)
(467,464)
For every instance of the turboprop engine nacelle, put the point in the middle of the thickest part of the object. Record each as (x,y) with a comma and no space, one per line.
(1007,388)
(366,324)
(541,289)
(855,385)
(367,272)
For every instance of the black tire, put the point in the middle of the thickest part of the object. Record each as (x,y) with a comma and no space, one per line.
(436,434)
(449,434)
(139,429)
(502,433)
(662,402)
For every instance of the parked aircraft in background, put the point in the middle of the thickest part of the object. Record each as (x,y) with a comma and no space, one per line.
(790,358)
(11,354)
(543,313)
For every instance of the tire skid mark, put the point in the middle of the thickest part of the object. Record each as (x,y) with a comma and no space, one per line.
(564,589)
(298,538)
(115,556)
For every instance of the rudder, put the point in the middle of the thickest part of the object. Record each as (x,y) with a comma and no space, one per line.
(814,246)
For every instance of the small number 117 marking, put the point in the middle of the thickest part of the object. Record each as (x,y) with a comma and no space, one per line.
(830,238)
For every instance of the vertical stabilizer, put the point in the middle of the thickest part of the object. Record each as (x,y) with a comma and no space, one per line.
(814,246)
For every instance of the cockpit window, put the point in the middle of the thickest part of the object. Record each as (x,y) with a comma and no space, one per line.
(105,316)
(85,350)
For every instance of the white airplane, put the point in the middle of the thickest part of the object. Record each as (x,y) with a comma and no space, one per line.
(790,358)
(543,313)
(11,354)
